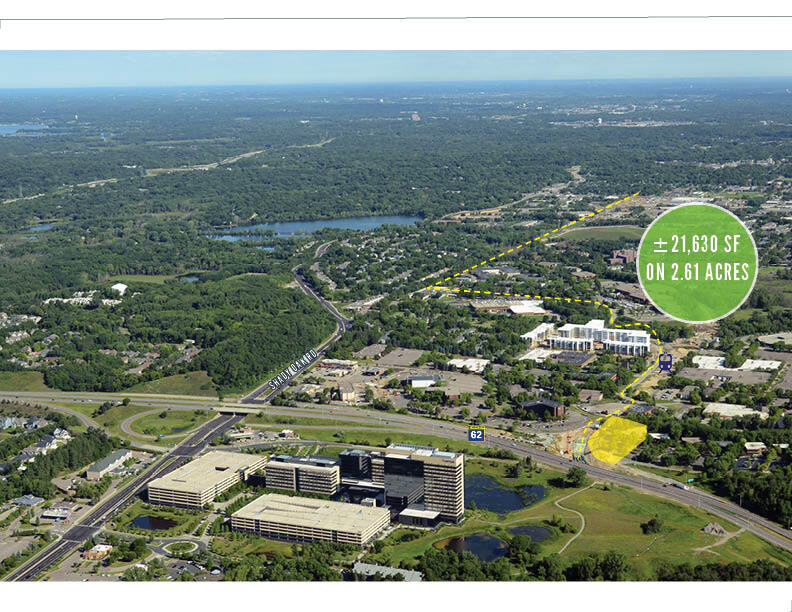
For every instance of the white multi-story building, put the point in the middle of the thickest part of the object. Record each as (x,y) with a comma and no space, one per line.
(594,335)
(539,334)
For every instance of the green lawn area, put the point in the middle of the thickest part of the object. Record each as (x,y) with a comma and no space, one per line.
(180,547)
(680,476)
(272,420)
(112,419)
(376,438)
(238,546)
(613,519)
(191,383)
(744,314)
(22,381)
(166,421)
(628,232)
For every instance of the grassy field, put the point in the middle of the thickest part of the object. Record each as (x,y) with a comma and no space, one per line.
(376,438)
(239,547)
(613,519)
(744,314)
(627,232)
(180,547)
(272,420)
(112,419)
(22,381)
(156,424)
(782,287)
(191,383)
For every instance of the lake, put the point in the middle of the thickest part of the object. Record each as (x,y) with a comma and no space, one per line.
(292,228)
(14,128)
(155,523)
(41,227)
(488,494)
(538,534)
(485,546)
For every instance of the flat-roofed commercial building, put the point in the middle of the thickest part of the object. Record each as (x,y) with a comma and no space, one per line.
(305,474)
(574,337)
(299,519)
(196,484)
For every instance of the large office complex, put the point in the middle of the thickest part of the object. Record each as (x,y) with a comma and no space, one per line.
(200,481)
(305,474)
(592,336)
(410,473)
(299,519)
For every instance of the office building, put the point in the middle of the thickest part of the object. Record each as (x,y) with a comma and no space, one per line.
(443,476)
(538,334)
(305,474)
(355,463)
(196,484)
(403,490)
(299,519)
(346,392)
(594,335)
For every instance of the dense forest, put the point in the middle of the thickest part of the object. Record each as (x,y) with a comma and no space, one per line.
(241,328)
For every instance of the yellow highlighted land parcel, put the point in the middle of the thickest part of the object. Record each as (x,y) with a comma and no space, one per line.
(615,439)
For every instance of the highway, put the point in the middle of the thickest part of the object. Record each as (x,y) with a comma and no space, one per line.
(765,529)
(342,325)
(96,518)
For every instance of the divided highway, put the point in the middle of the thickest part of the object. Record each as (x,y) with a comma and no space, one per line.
(95,519)
(342,325)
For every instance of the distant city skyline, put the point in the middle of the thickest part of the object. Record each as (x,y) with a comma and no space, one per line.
(63,69)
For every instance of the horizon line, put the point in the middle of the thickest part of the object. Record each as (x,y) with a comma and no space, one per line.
(419,82)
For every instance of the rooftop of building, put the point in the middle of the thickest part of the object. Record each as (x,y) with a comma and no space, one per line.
(420,511)
(308,461)
(367,569)
(731,410)
(106,462)
(313,513)
(205,471)
(423,451)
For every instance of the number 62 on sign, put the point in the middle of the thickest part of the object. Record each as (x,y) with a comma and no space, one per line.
(476,433)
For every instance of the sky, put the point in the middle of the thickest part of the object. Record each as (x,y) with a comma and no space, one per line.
(55,69)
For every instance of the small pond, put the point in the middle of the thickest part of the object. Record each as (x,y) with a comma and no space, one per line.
(538,534)
(488,494)
(41,227)
(155,523)
(485,546)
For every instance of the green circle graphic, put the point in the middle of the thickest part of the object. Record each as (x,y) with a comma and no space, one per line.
(697,263)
